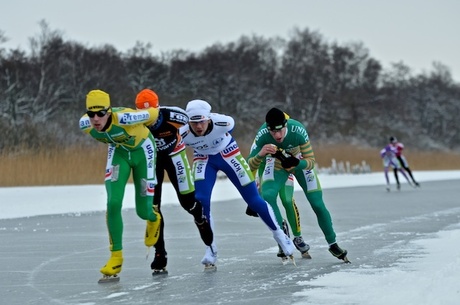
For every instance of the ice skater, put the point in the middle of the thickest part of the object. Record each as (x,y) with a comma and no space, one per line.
(402,160)
(284,145)
(388,155)
(209,134)
(172,159)
(131,148)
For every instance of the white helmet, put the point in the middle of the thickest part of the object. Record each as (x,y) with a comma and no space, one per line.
(198,110)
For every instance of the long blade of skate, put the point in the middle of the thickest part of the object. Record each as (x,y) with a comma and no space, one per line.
(109,279)
(292,260)
(210,268)
(288,259)
(158,272)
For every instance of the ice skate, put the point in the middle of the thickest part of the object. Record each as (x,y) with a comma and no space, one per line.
(286,245)
(250,212)
(152,231)
(282,256)
(280,253)
(210,258)
(112,268)
(398,187)
(339,252)
(285,260)
(284,242)
(159,263)
(210,267)
(302,246)
(416,184)
(205,231)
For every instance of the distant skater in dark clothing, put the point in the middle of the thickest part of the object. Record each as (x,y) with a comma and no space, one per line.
(402,160)
(172,159)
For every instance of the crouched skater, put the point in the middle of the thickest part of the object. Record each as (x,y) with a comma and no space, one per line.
(209,134)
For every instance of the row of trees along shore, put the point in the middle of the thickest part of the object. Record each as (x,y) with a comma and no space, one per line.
(338,91)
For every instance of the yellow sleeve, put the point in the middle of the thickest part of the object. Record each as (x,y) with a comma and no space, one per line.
(128,116)
(307,155)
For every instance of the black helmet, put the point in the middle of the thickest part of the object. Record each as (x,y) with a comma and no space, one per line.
(393,140)
(275,119)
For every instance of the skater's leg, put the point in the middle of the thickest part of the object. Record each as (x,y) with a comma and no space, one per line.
(204,183)
(160,246)
(403,172)
(322,215)
(396,176)
(405,165)
(145,181)
(265,212)
(262,207)
(270,195)
(181,178)
(144,178)
(407,169)
(292,213)
(313,191)
(287,198)
(270,188)
(115,186)
(250,194)
(194,208)
(387,179)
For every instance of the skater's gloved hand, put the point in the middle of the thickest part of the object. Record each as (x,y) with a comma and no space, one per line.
(280,155)
(290,162)
(250,212)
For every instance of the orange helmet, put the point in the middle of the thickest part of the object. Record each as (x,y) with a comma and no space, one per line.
(147,98)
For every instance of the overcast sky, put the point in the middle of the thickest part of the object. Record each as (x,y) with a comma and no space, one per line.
(417,32)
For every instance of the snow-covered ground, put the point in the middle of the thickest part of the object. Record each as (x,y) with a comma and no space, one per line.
(430,278)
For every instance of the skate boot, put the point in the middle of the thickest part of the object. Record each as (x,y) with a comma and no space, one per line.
(417,184)
(280,254)
(112,268)
(152,232)
(250,212)
(302,246)
(159,263)
(285,243)
(210,258)
(338,252)
(398,187)
(205,231)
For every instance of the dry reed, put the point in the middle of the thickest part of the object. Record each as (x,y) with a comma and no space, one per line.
(77,166)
